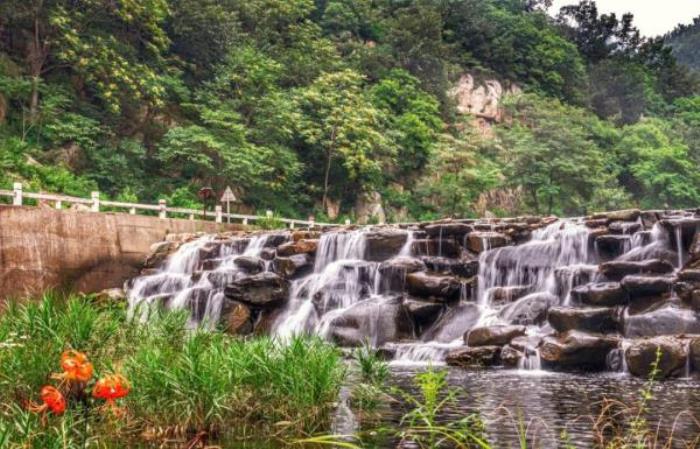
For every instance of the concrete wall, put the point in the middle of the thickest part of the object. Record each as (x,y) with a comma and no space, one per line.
(43,248)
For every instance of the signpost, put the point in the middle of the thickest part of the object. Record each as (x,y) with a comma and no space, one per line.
(227,198)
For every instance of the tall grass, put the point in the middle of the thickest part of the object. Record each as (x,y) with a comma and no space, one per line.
(183,382)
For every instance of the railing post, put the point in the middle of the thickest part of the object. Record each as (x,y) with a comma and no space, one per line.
(132,211)
(312,221)
(95,201)
(219,217)
(291,225)
(347,222)
(17,198)
(191,217)
(268,213)
(162,209)
(58,204)
(245,221)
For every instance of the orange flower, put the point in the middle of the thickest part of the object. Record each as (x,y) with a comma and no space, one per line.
(111,387)
(52,399)
(75,366)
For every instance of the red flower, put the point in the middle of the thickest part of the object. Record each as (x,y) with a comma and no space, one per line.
(111,387)
(52,399)
(76,367)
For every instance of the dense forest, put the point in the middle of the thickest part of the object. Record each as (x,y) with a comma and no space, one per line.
(685,42)
(313,107)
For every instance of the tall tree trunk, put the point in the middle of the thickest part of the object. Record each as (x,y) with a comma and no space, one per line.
(37,57)
(325,181)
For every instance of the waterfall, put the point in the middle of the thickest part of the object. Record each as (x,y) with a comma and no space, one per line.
(184,283)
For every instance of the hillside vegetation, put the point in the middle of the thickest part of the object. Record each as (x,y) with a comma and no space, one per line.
(685,41)
(306,106)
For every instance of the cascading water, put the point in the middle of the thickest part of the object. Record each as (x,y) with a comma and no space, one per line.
(183,283)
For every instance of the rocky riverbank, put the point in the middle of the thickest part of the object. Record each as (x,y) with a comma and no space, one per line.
(596,293)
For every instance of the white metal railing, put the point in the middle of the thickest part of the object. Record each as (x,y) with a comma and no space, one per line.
(95,203)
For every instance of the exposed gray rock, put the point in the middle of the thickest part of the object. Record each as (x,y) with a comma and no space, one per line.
(453,323)
(667,320)
(493,335)
(479,241)
(249,264)
(616,270)
(383,244)
(386,320)
(260,290)
(600,319)
(647,285)
(610,246)
(433,286)
(601,294)
(423,312)
(642,354)
(468,357)
(530,309)
(577,350)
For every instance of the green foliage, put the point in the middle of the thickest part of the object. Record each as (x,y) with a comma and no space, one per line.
(303,106)
(181,380)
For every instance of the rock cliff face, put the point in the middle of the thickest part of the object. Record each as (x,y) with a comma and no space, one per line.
(481,99)
(80,251)
(597,293)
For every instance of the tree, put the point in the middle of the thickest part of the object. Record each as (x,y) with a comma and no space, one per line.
(337,119)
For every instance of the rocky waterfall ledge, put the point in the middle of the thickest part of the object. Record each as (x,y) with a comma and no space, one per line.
(602,292)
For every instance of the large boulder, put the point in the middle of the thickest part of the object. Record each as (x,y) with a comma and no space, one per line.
(694,348)
(423,312)
(433,286)
(260,290)
(465,267)
(474,357)
(449,229)
(297,247)
(647,285)
(666,320)
(623,215)
(616,270)
(493,335)
(383,244)
(159,252)
(249,264)
(453,324)
(599,319)
(505,295)
(671,353)
(601,294)
(379,320)
(530,309)
(577,350)
(479,241)
(294,266)
(436,247)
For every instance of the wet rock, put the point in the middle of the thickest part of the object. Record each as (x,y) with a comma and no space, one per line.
(236,318)
(468,357)
(694,348)
(624,227)
(211,250)
(610,246)
(275,240)
(596,222)
(298,247)
(530,309)
(689,275)
(384,244)
(623,215)
(641,355)
(493,335)
(305,235)
(433,286)
(401,264)
(647,285)
(616,270)
(267,253)
(423,312)
(479,241)
(605,294)
(650,217)
(260,290)
(510,357)
(159,252)
(465,267)
(443,230)
(435,247)
(597,320)
(249,264)
(453,324)
(385,320)
(502,295)
(667,320)
(294,266)
(211,264)
(657,250)
(577,350)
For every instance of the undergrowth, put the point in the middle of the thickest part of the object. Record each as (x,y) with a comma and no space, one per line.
(185,384)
